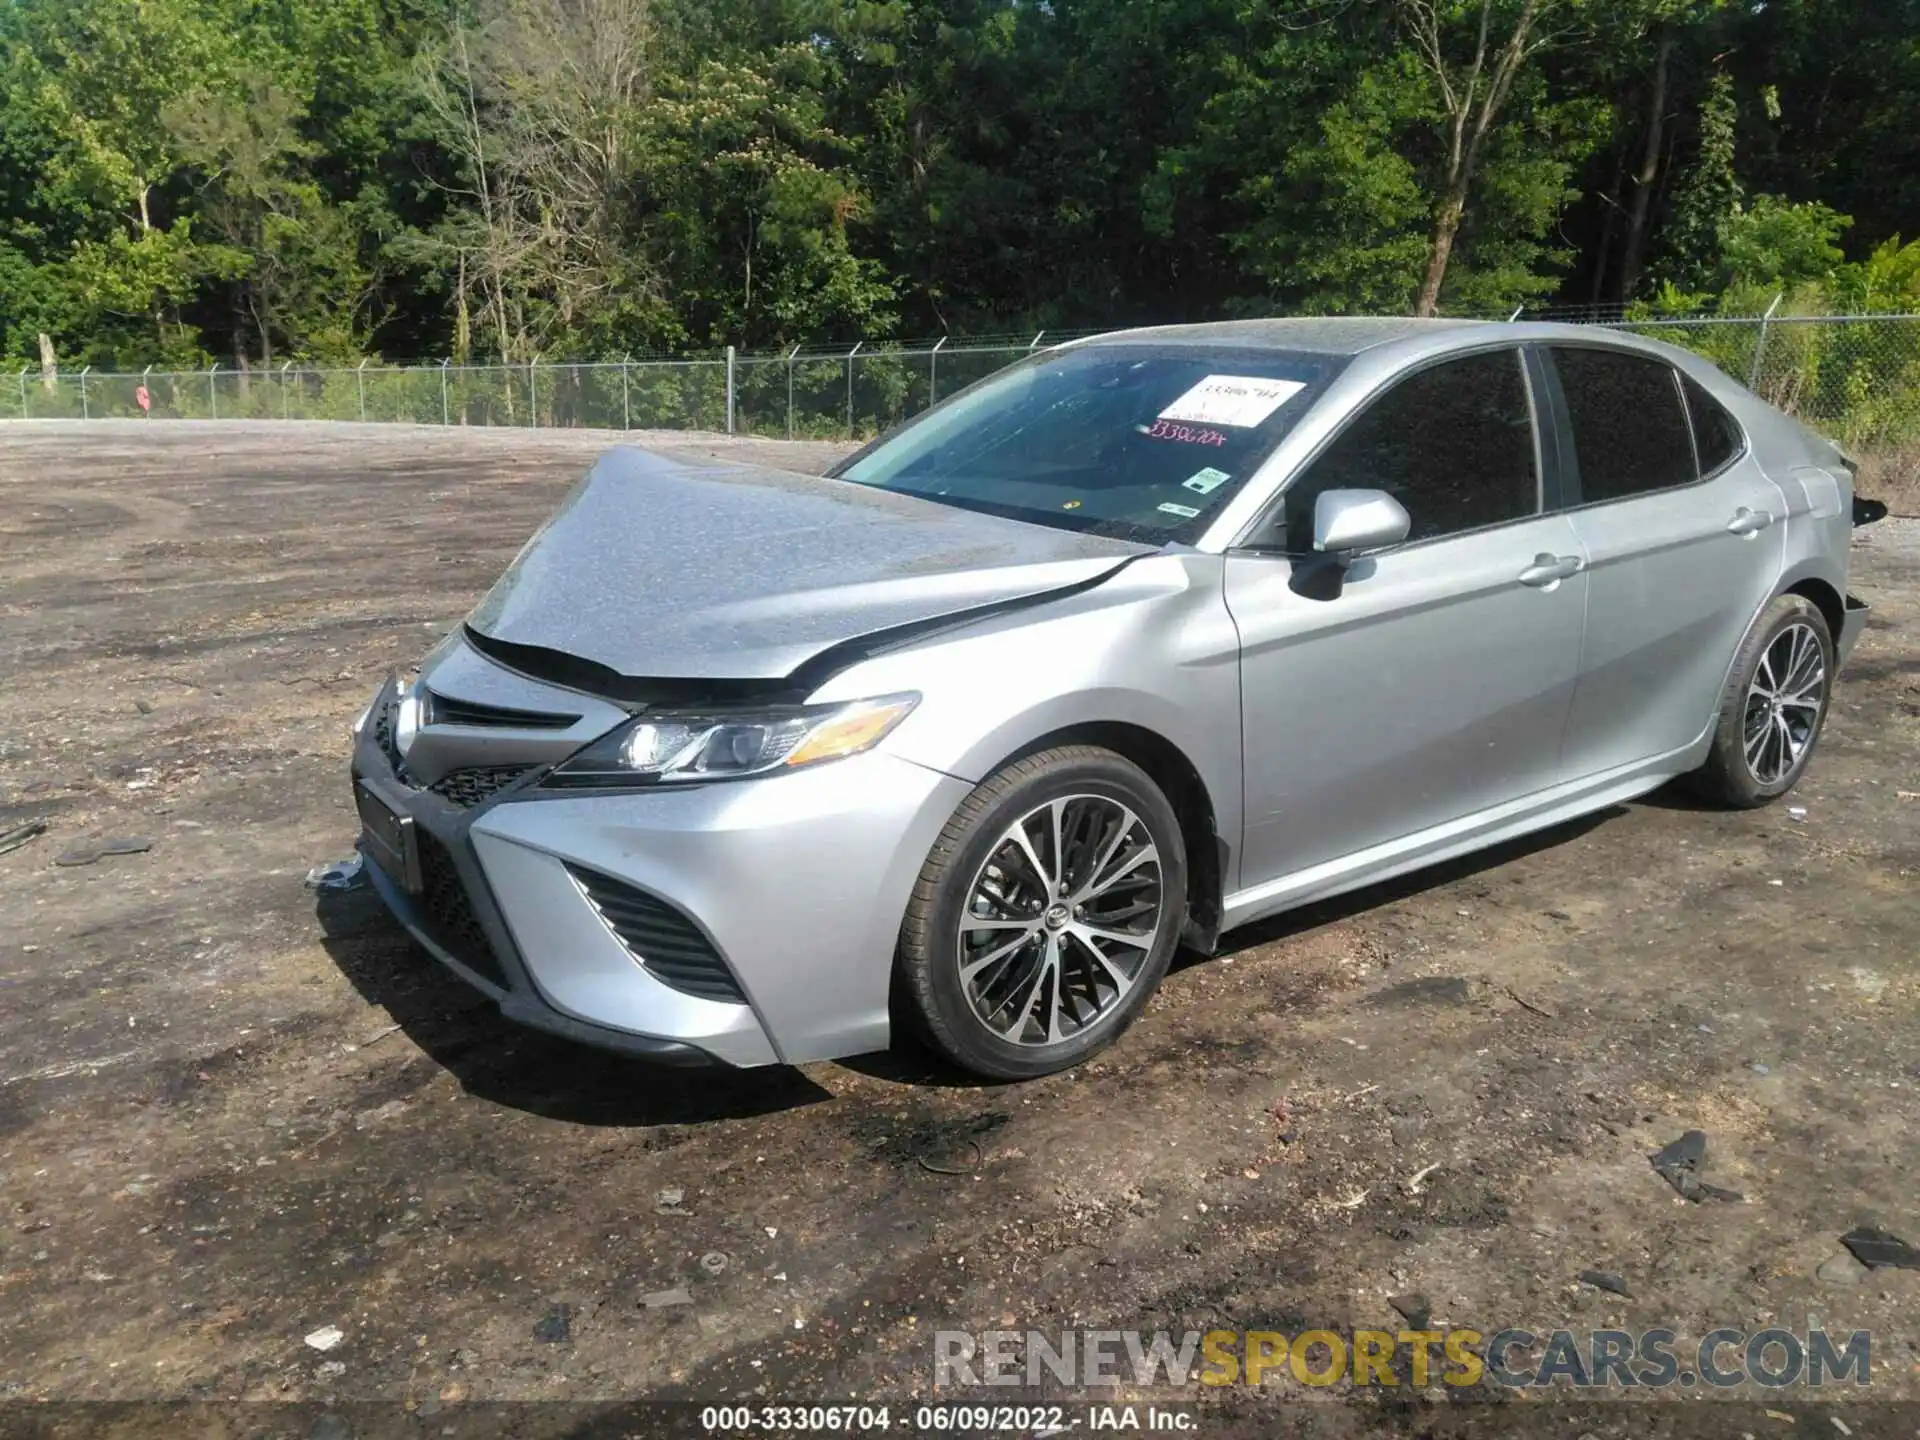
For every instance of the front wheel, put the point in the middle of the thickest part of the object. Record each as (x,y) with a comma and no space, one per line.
(1773,707)
(1046,914)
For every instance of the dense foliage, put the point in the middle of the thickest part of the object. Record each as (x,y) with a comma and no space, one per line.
(249,180)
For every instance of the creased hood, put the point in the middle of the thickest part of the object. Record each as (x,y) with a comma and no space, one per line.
(668,567)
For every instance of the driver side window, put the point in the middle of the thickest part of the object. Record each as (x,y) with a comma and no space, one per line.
(1453,444)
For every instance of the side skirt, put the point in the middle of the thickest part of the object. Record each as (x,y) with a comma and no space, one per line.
(1539,811)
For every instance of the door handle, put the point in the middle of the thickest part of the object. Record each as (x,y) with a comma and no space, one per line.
(1546,571)
(1749,522)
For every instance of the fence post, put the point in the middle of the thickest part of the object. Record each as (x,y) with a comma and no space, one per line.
(23,393)
(729,389)
(1518,311)
(147,412)
(360,386)
(626,399)
(86,412)
(850,354)
(790,354)
(445,414)
(533,393)
(1036,343)
(933,372)
(1760,344)
(213,395)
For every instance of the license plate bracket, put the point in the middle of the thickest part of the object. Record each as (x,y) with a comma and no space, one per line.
(389,837)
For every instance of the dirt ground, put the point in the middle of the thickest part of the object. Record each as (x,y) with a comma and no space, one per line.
(214,1141)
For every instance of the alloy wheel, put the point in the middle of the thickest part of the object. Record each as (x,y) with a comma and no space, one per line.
(1784,699)
(1060,919)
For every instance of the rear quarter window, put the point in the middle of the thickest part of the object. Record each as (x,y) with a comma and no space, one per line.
(1716,434)
(1631,433)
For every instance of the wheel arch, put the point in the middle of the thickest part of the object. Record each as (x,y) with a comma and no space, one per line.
(1828,600)
(1811,585)
(1186,790)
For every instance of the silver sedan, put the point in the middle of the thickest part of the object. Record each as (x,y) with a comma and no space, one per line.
(1142,639)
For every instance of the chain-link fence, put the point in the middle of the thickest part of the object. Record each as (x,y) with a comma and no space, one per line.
(1856,378)
(797,393)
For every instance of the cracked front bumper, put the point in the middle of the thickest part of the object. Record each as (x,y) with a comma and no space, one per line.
(794,884)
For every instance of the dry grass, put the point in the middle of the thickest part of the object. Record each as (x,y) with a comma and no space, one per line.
(1892,474)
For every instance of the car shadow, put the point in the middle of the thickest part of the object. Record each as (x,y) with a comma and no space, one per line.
(543,1075)
(496,1060)
(1675,795)
(912,1063)
(1356,902)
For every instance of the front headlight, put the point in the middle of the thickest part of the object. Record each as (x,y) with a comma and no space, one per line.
(670,745)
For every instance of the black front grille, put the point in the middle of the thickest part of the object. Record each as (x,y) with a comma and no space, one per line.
(450,913)
(660,938)
(467,788)
(383,734)
(445,710)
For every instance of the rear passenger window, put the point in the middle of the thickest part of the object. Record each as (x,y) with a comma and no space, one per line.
(1716,434)
(1454,444)
(1630,431)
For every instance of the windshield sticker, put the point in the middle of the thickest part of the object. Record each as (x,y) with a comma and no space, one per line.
(1185,512)
(1205,482)
(1239,400)
(1186,434)
(1070,505)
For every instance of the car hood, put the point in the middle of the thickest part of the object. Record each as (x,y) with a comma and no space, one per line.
(660,566)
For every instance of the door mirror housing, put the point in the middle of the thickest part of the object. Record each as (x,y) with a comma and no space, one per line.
(1346,522)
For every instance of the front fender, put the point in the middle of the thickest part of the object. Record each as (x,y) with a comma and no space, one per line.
(1152,647)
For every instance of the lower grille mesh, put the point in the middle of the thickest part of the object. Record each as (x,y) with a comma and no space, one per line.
(467,788)
(666,942)
(450,913)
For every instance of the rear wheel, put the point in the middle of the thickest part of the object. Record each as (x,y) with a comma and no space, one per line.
(1773,707)
(1046,913)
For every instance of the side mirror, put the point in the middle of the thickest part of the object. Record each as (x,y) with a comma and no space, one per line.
(1347,521)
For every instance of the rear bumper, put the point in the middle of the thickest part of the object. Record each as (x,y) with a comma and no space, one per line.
(789,888)
(1851,625)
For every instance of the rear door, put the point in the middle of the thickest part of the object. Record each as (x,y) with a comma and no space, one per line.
(1434,681)
(1684,536)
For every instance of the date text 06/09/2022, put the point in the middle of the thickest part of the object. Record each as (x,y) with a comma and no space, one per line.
(965,1419)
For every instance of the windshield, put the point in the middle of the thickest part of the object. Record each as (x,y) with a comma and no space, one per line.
(1144,442)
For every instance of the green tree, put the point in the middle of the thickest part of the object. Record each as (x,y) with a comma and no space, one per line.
(289,254)
(1776,242)
(1709,196)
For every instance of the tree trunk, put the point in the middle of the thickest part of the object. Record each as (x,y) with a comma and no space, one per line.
(1610,203)
(1446,224)
(462,319)
(49,370)
(1634,249)
(242,320)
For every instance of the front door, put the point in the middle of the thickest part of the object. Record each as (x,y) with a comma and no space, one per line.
(1436,683)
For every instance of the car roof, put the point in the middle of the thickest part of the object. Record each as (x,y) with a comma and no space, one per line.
(1411,339)
(1322,335)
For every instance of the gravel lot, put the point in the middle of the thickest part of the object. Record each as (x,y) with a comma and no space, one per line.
(214,1141)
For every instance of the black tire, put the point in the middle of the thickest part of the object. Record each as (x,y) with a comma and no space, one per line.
(1728,778)
(930,957)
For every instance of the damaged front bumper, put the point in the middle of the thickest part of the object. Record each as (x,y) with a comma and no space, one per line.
(748,922)
(425,866)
